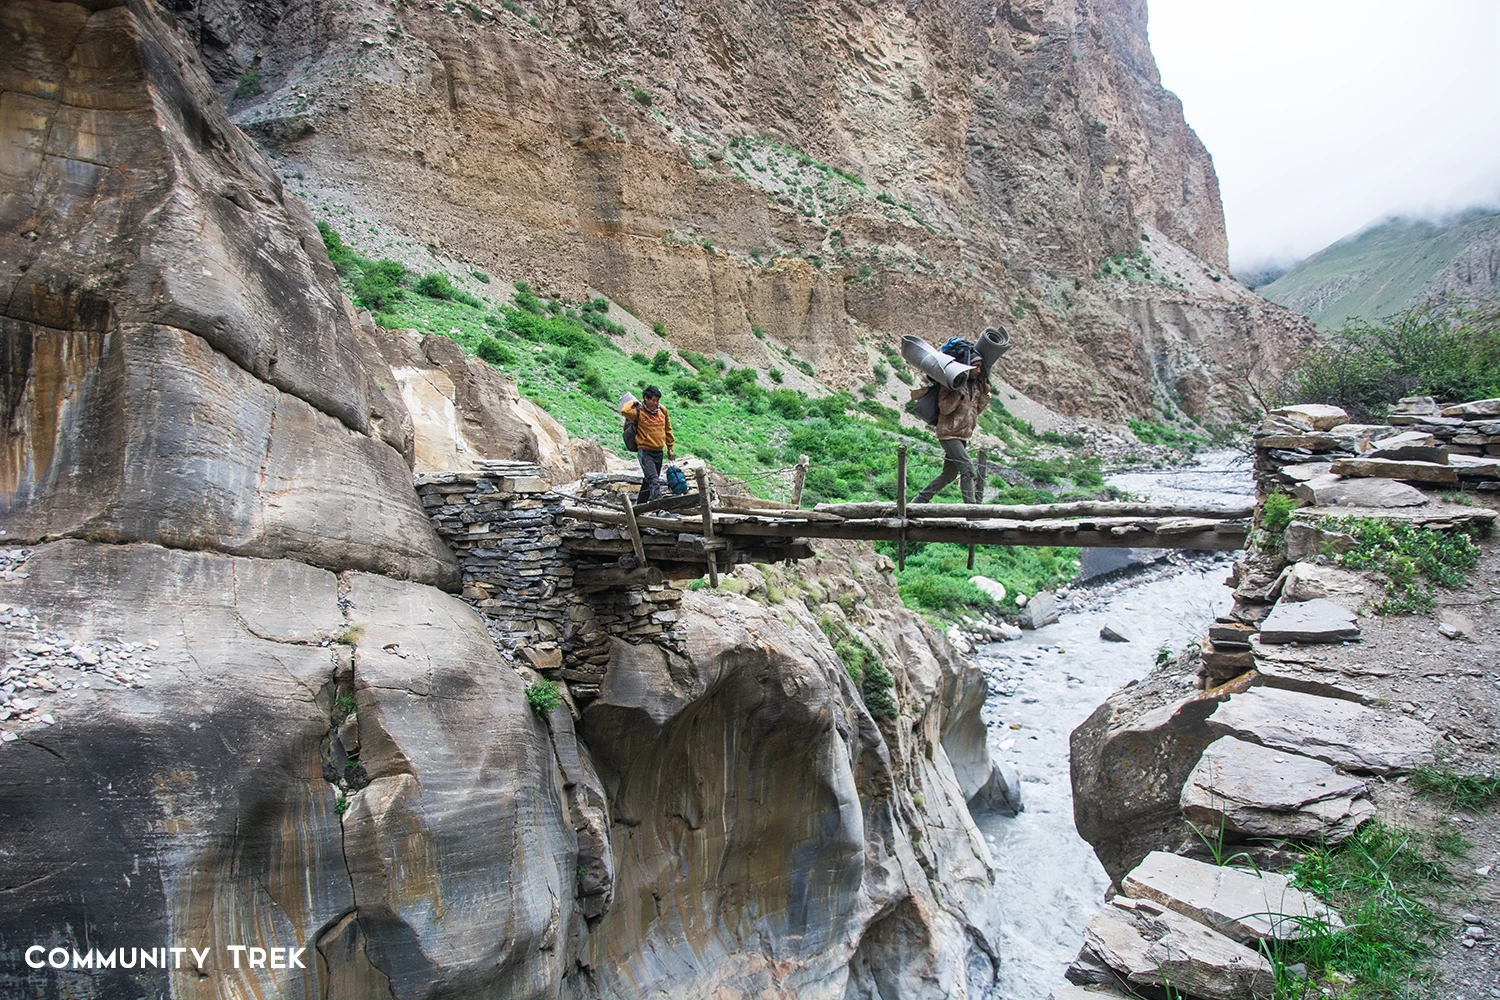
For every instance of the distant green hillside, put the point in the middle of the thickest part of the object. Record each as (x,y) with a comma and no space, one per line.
(1392,265)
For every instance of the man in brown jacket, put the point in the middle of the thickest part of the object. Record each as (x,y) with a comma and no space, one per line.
(958,415)
(653,433)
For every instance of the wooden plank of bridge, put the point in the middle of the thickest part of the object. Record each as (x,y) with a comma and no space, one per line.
(1025,512)
(708,525)
(901,504)
(1172,533)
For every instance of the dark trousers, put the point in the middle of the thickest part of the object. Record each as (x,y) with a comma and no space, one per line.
(956,465)
(651,469)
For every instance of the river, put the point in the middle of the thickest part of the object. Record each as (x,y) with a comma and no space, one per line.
(1046,683)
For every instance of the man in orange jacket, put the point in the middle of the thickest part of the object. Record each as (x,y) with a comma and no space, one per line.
(653,433)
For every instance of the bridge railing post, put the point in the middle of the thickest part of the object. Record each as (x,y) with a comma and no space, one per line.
(901,504)
(799,477)
(708,525)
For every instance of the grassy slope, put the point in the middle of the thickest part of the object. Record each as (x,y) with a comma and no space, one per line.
(754,431)
(1379,271)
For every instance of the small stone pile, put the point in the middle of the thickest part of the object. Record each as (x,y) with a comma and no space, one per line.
(507,527)
(1423,442)
(42,666)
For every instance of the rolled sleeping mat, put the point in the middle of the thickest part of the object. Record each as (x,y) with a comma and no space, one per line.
(992,344)
(626,399)
(934,363)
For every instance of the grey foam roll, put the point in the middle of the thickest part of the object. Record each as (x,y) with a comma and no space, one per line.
(993,343)
(934,363)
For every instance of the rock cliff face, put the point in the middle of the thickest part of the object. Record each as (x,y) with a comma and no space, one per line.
(254,716)
(830,173)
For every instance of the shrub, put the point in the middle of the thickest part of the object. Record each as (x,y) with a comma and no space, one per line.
(641,359)
(641,97)
(496,353)
(435,286)
(1452,352)
(526,299)
(661,362)
(248,85)
(343,259)
(776,375)
(659,328)
(1405,554)
(543,697)
(758,333)
(379,284)
(481,276)
(789,403)
(688,388)
(1276,511)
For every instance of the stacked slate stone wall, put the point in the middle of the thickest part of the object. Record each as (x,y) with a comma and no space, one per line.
(506,524)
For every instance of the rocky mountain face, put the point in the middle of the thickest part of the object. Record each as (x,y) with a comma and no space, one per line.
(837,175)
(1394,265)
(242,705)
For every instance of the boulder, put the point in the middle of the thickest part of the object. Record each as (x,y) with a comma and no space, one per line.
(1129,761)
(1114,632)
(1335,490)
(1001,793)
(1248,790)
(1338,732)
(1152,946)
(1416,406)
(1246,906)
(1318,416)
(1309,581)
(1041,610)
(1480,408)
(1317,620)
(1420,472)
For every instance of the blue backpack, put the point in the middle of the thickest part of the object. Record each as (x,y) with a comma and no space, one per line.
(676,481)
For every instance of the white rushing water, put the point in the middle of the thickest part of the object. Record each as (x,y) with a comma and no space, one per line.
(1049,681)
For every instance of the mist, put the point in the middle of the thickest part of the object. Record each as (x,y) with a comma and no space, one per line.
(1326,117)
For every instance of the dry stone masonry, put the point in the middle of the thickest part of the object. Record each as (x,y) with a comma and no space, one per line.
(516,547)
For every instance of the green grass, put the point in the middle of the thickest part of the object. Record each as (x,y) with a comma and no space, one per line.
(1384,882)
(564,357)
(1150,432)
(1407,555)
(1135,267)
(1455,789)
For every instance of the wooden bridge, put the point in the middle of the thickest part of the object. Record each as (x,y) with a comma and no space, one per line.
(679,535)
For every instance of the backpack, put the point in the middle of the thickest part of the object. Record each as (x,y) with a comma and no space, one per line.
(676,481)
(629,432)
(924,404)
(960,349)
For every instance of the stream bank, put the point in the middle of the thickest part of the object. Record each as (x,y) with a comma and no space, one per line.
(1046,683)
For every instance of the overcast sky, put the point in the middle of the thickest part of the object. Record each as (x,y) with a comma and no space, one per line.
(1325,115)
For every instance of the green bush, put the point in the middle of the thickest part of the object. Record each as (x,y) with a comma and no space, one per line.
(776,375)
(526,299)
(543,697)
(661,362)
(641,359)
(379,284)
(642,97)
(1276,511)
(1406,554)
(688,387)
(789,403)
(344,260)
(496,353)
(1451,352)
(435,286)
(248,85)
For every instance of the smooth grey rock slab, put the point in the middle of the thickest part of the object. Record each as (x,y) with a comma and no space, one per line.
(1039,611)
(1245,906)
(1330,490)
(1114,632)
(1318,620)
(1379,468)
(1098,562)
(1001,793)
(1317,416)
(1151,946)
(1476,408)
(1342,733)
(1256,791)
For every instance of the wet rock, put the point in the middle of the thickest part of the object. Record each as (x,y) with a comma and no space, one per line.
(1150,946)
(1245,906)
(1253,791)
(1094,562)
(1317,620)
(1334,490)
(1001,793)
(1341,733)
(1420,472)
(1114,632)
